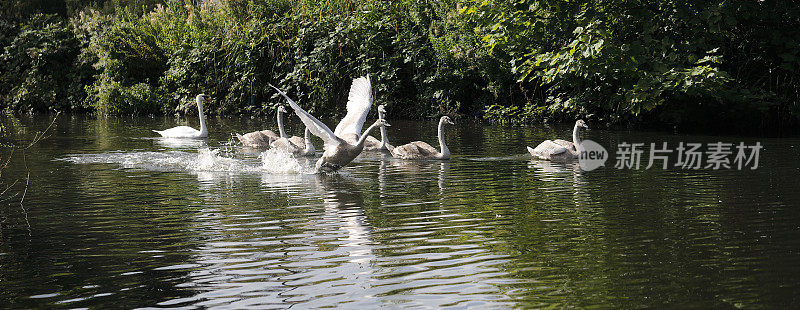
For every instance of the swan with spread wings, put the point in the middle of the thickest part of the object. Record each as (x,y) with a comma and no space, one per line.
(346,142)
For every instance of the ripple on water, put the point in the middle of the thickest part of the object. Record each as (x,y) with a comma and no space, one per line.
(193,226)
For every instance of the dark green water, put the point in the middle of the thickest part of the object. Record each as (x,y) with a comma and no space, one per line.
(113,217)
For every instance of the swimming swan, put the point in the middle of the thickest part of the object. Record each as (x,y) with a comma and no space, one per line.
(560,149)
(264,138)
(422,150)
(186,131)
(298,147)
(346,142)
(373,144)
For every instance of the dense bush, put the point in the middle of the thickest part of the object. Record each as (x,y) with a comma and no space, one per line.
(676,62)
(36,64)
(409,49)
(423,59)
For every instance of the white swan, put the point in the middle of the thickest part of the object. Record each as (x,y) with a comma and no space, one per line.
(298,147)
(560,149)
(186,131)
(344,144)
(422,150)
(373,144)
(264,138)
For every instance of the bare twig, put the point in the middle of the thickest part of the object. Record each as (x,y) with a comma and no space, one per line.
(41,135)
(25,191)
(8,160)
(7,188)
(4,164)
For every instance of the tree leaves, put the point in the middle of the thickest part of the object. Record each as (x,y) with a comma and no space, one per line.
(627,59)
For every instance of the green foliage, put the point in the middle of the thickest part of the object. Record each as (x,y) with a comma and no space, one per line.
(36,63)
(521,61)
(513,114)
(423,61)
(619,60)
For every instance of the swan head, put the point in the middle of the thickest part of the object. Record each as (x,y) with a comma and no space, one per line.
(581,123)
(381,111)
(446,119)
(200,99)
(382,122)
(281,109)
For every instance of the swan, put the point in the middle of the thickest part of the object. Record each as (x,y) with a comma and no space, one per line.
(560,149)
(373,144)
(346,142)
(298,147)
(422,150)
(264,138)
(186,131)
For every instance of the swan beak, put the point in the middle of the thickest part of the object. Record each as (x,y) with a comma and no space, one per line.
(386,124)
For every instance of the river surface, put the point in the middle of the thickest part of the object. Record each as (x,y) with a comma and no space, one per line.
(115,217)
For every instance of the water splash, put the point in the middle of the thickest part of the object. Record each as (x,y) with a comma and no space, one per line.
(204,160)
(210,160)
(275,161)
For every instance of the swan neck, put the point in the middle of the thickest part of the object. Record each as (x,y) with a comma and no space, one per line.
(203,128)
(576,137)
(281,131)
(444,150)
(384,136)
(309,146)
(364,136)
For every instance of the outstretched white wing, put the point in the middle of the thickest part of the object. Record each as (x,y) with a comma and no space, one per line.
(316,127)
(358,104)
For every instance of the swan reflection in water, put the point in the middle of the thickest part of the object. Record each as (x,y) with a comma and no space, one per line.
(391,171)
(570,172)
(443,168)
(546,169)
(326,258)
(341,241)
(343,201)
